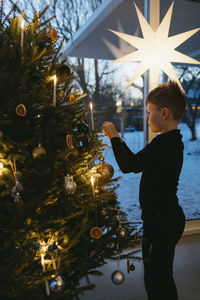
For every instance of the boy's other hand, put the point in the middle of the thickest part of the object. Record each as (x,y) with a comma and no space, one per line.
(109,130)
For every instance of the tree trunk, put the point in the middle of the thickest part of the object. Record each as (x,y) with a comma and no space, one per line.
(96,92)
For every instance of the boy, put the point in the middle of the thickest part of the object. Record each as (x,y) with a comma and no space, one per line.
(160,163)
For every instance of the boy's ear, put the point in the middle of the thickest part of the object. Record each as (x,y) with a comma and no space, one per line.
(165,113)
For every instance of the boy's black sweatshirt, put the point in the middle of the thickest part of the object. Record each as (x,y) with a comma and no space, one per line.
(160,163)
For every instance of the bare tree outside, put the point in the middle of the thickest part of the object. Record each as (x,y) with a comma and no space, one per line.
(94,77)
(190,79)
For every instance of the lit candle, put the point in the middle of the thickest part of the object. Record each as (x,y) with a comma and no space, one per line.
(54,90)
(1,168)
(92,183)
(22,33)
(92,120)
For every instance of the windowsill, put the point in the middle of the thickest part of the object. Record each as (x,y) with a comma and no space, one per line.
(192,227)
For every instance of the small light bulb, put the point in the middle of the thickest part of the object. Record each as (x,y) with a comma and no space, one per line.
(1,168)
(92,180)
(55,79)
(22,24)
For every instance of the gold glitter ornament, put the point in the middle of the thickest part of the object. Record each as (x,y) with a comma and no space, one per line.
(96,232)
(38,152)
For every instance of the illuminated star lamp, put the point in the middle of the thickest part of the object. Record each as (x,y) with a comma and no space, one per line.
(156,49)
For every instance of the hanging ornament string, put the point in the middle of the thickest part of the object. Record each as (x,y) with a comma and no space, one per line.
(118,258)
(95,232)
(18,187)
(121,230)
(102,156)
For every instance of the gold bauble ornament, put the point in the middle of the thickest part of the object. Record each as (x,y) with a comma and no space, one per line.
(96,232)
(106,171)
(38,152)
(21,110)
(104,211)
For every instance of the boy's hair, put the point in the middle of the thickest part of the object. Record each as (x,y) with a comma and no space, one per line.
(168,95)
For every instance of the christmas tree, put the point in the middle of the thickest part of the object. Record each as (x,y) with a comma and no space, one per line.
(59,215)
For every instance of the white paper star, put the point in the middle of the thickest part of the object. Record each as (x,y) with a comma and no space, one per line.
(156,49)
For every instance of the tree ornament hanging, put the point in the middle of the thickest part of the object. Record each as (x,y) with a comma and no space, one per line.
(39,152)
(136,235)
(122,231)
(128,266)
(69,184)
(132,267)
(106,171)
(21,110)
(117,277)
(101,158)
(69,141)
(16,190)
(72,98)
(18,187)
(104,211)
(96,232)
(53,35)
(57,285)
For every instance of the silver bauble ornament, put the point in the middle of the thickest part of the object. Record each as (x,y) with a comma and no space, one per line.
(38,152)
(106,171)
(57,285)
(117,277)
(69,184)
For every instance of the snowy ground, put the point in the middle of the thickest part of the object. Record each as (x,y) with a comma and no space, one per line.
(189,186)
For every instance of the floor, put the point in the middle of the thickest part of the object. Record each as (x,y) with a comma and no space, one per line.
(186,274)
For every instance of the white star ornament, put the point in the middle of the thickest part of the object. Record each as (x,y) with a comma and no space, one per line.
(156,49)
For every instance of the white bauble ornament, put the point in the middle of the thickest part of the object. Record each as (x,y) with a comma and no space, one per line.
(69,184)
(57,285)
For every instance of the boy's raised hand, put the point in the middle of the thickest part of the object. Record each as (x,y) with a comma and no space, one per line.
(109,130)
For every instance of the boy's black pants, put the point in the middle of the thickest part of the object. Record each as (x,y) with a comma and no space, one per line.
(159,240)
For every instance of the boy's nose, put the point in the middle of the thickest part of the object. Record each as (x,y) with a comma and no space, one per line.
(147,117)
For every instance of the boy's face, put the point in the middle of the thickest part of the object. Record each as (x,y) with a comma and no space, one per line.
(154,117)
